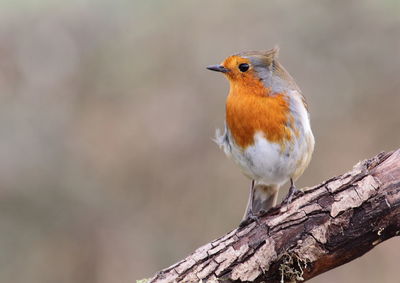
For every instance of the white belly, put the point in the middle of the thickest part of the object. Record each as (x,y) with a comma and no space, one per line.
(267,163)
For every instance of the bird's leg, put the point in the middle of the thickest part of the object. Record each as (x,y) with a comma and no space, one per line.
(293,191)
(250,216)
(250,213)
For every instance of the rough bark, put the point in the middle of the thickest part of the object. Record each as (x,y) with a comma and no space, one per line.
(329,225)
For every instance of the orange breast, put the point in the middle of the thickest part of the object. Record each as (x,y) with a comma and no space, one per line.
(250,108)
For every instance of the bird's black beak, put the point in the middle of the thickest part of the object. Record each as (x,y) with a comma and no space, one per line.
(218,68)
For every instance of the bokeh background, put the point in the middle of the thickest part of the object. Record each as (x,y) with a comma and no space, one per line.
(107,168)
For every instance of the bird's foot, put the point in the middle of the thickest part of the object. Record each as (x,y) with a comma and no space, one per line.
(251,217)
(293,192)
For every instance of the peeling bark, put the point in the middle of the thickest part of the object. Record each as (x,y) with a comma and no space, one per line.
(331,224)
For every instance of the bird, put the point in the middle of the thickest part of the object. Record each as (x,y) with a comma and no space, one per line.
(267,129)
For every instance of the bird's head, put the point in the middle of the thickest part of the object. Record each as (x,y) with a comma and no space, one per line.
(259,71)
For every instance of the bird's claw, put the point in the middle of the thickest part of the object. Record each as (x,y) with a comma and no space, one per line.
(250,218)
(293,193)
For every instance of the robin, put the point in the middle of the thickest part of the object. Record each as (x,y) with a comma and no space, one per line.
(267,126)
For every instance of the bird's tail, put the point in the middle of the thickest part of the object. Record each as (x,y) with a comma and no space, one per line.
(262,198)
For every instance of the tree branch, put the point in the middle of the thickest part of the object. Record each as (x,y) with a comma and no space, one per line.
(330,225)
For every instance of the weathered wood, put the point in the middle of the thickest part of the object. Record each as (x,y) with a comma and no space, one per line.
(331,224)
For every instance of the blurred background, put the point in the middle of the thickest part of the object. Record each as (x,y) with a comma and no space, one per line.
(107,168)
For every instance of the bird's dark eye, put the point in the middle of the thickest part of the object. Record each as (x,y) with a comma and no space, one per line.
(243,67)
